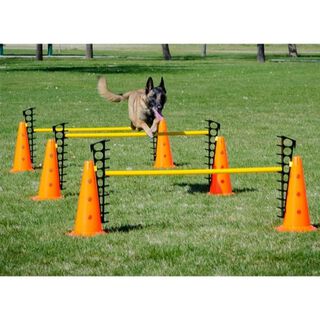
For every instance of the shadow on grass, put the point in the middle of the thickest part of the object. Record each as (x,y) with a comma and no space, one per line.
(125,228)
(204,188)
(194,187)
(67,194)
(71,194)
(118,69)
(244,190)
(37,167)
(181,164)
(126,68)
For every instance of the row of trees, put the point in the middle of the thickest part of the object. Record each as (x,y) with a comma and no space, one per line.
(39,54)
(292,50)
(261,57)
(89,51)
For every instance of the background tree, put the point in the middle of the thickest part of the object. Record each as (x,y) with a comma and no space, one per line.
(166,52)
(39,52)
(293,52)
(204,50)
(50,49)
(260,54)
(89,51)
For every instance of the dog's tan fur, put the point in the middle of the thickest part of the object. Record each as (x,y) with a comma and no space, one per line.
(139,113)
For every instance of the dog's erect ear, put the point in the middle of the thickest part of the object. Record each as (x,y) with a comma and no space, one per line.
(161,85)
(149,85)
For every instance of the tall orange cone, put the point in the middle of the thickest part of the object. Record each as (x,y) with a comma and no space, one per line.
(22,158)
(164,158)
(296,217)
(88,221)
(49,183)
(220,182)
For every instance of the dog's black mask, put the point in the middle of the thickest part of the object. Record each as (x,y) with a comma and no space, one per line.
(156,97)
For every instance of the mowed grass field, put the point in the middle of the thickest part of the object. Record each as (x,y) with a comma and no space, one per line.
(163,226)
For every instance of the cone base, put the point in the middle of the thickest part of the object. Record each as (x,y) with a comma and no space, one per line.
(164,167)
(38,198)
(82,234)
(20,170)
(221,194)
(283,228)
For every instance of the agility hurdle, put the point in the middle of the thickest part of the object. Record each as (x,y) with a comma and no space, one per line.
(183,172)
(89,218)
(101,156)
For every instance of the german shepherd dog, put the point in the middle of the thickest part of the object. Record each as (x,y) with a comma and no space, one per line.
(144,105)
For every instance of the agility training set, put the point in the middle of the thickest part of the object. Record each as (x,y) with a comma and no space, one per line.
(93,207)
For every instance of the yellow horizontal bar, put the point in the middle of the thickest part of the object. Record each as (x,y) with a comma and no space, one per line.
(99,129)
(93,129)
(42,130)
(177,172)
(135,134)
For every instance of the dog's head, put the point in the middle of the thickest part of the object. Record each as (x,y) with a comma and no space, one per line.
(156,97)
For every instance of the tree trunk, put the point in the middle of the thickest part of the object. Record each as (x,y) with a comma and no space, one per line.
(204,50)
(89,51)
(166,52)
(50,49)
(260,55)
(293,50)
(39,52)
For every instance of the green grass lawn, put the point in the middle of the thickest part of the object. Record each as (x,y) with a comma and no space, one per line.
(163,225)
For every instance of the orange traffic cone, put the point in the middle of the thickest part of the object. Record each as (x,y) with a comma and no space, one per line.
(88,221)
(49,183)
(297,213)
(22,158)
(163,153)
(220,182)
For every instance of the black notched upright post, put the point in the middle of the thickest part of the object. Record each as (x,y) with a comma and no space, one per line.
(30,120)
(154,142)
(100,157)
(213,131)
(59,131)
(287,146)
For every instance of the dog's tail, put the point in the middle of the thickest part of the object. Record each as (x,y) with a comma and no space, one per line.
(107,94)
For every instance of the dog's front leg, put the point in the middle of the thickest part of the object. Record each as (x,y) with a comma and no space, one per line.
(147,130)
(154,127)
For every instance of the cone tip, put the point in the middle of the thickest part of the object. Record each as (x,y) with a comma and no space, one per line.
(51,142)
(296,160)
